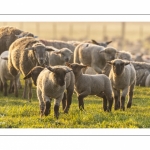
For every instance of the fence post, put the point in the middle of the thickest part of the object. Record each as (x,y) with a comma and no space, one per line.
(37,28)
(141,33)
(88,31)
(104,33)
(71,31)
(122,34)
(54,30)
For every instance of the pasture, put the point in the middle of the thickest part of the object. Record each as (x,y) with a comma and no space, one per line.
(19,113)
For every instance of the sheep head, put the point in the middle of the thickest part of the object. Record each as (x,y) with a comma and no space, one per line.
(59,74)
(118,66)
(76,67)
(39,51)
(33,73)
(109,53)
(65,54)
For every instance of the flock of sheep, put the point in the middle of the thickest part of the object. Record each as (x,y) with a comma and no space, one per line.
(57,68)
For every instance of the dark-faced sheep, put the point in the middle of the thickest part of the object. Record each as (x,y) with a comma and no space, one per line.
(51,83)
(123,78)
(24,54)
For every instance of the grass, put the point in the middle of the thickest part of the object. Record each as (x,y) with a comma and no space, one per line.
(19,113)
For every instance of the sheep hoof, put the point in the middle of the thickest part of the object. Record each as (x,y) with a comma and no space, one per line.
(129,105)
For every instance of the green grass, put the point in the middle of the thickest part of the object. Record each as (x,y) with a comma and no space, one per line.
(19,113)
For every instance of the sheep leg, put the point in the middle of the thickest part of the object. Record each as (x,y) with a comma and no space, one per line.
(15,86)
(64,101)
(117,99)
(104,103)
(56,106)
(24,96)
(130,95)
(41,102)
(69,99)
(30,90)
(1,86)
(5,88)
(81,96)
(11,86)
(124,93)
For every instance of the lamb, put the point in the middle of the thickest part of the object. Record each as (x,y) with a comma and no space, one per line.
(5,74)
(24,54)
(94,56)
(60,57)
(9,34)
(51,83)
(85,85)
(123,78)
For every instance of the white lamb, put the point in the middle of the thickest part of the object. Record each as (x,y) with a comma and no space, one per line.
(85,85)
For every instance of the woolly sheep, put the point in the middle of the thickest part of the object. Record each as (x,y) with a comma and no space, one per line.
(51,83)
(59,57)
(5,74)
(123,78)
(9,34)
(93,55)
(142,73)
(24,54)
(85,85)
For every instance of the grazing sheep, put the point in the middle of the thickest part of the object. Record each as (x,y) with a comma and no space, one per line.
(51,83)
(93,55)
(123,78)
(59,57)
(9,34)
(85,85)
(24,54)
(5,74)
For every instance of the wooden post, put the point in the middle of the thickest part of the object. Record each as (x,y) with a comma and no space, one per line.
(88,31)
(37,29)
(71,31)
(122,34)
(141,33)
(54,30)
(104,33)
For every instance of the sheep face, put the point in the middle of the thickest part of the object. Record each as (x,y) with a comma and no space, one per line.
(118,66)
(76,68)
(109,53)
(33,73)
(59,75)
(65,54)
(40,53)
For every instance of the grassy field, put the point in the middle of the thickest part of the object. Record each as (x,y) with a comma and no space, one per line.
(19,113)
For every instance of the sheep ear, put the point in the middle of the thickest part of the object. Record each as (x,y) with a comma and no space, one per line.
(30,48)
(28,75)
(49,68)
(35,36)
(18,36)
(109,62)
(68,64)
(58,52)
(94,42)
(68,70)
(50,48)
(5,58)
(83,66)
(127,63)
(108,42)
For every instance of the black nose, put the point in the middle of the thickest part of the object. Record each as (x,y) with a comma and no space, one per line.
(67,59)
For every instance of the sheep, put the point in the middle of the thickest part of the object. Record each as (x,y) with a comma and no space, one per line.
(85,85)
(59,57)
(142,73)
(9,34)
(93,55)
(52,82)
(24,54)
(123,78)
(5,74)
